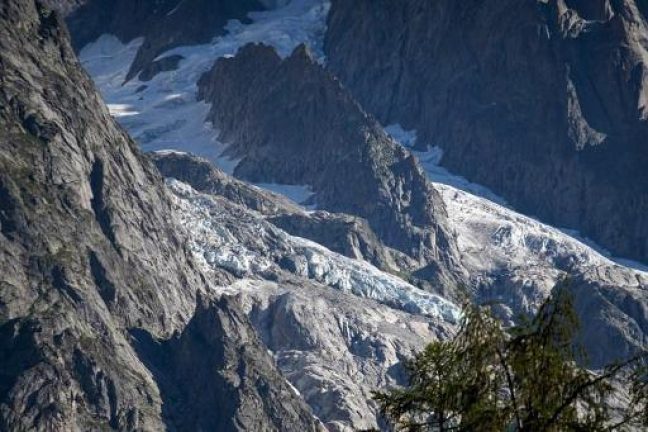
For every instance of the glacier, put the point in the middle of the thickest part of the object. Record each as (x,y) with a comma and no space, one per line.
(163,113)
(236,239)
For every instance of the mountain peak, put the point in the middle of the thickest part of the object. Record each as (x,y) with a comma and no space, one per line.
(302,50)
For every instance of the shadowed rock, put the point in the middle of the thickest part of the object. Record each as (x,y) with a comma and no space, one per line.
(542,101)
(216,375)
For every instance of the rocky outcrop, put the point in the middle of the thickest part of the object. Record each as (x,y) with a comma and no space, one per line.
(543,101)
(200,174)
(163,24)
(90,254)
(165,64)
(291,122)
(217,376)
(613,309)
(348,235)
(335,348)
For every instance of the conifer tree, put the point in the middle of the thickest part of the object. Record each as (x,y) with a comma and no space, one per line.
(525,378)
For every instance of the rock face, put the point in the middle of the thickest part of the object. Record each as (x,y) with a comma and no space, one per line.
(334,348)
(164,24)
(348,235)
(291,122)
(91,255)
(165,64)
(201,175)
(543,101)
(613,309)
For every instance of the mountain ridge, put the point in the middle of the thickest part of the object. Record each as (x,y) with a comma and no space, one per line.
(90,250)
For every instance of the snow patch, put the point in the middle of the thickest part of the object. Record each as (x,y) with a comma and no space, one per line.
(299,194)
(166,152)
(108,60)
(406,138)
(430,161)
(121,110)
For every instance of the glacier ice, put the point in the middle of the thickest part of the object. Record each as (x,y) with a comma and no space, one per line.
(247,245)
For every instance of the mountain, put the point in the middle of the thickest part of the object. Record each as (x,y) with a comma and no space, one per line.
(287,130)
(278,280)
(91,256)
(542,101)
(290,122)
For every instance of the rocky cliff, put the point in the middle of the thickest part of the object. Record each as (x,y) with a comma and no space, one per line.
(291,122)
(97,272)
(543,101)
(217,375)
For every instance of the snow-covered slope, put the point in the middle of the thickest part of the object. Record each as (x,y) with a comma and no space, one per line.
(163,113)
(509,256)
